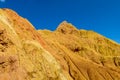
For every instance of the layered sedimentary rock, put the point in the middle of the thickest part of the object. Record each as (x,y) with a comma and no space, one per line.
(22,56)
(82,54)
(64,54)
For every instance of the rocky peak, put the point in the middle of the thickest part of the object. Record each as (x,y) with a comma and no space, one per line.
(66,27)
(28,54)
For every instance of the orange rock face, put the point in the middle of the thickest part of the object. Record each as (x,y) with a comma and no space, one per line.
(64,54)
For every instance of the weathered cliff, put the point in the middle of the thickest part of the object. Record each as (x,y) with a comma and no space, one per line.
(22,56)
(64,54)
(82,54)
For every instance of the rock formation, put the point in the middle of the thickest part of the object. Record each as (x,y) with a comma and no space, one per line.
(64,54)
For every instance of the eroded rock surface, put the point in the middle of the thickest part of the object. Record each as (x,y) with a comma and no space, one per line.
(82,54)
(22,56)
(64,54)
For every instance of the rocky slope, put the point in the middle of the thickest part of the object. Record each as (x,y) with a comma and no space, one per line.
(64,54)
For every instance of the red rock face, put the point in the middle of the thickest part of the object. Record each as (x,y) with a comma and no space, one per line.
(22,26)
(64,54)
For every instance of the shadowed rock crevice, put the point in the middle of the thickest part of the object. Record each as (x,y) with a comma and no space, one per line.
(5,42)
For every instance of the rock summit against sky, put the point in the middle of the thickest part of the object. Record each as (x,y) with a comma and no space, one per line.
(64,54)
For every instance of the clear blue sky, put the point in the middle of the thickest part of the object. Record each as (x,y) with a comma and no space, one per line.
(102,16)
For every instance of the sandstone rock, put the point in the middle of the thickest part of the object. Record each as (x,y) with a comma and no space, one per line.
(82,54)
(64,54)
(22,56)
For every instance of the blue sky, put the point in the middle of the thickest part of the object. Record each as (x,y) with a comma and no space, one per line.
(102,16)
